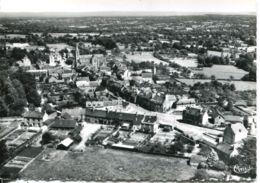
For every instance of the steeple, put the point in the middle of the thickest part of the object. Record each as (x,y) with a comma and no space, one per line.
(74,65)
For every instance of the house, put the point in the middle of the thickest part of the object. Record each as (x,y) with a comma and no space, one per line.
(182,103)
(148,124)
(127,120)
(234,133)
(195,116)
(89,87)
(218,54)
(168,102)
(75,133)
(104,103)
(33,118)
(65,144)
(233,119)
(147,77)
(217,117)
(65,124)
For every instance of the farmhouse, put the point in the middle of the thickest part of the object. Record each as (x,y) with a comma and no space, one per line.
(234,133)
(217,117)
(33,118)
(182,103)
(195,115)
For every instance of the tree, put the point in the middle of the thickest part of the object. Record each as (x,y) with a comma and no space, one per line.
(132,82)
(219,165)
(213,77)
(47,138)
(29,85)
(4,154)
(3,108)
(177,147)
(18,53)
(230,105)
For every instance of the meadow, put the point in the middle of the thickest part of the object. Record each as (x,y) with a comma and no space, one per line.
(98,164)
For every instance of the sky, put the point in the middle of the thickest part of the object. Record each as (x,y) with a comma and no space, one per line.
(221,6)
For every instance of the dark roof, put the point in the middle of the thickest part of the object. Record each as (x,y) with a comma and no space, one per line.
(147,75)
(193,111)
(48,122)
(33,114)
(66,116)
(130,117)
(64,123)
(158,99)
(216,113)
(150,119)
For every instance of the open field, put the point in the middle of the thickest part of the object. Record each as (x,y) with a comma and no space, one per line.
(97,164)
(240,85)
(11,36)
(222,71)
(185,62)
(59,46)
(144,57)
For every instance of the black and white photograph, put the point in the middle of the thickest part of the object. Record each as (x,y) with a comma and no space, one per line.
(128,91)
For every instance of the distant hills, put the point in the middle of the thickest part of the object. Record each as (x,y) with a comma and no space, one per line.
(114,13)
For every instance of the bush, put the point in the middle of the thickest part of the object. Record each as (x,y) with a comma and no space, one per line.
(47,138)
(205,150)
(190,148)
(219,165)
(203,165)
(201,174)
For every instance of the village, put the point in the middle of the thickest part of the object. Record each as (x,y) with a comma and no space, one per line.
(154,99)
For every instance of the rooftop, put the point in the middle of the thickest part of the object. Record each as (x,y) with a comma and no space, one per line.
(33,114)
(130,117)
(64,123)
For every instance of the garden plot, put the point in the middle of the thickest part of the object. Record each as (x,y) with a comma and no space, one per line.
(103,133)
(163,137)
(136,139)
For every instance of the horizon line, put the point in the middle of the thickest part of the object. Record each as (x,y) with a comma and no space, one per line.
(124,13)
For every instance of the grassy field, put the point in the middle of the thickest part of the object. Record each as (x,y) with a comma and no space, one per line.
(97,164)
(184,62)
(144,57)
(223,71)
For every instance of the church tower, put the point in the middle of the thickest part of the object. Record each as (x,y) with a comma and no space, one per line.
(74,64)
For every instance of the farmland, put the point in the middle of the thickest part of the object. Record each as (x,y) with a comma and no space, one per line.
(144,57)
(97,164)
(185,62)
(222,72)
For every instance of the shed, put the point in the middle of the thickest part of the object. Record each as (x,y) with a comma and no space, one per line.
(65,144)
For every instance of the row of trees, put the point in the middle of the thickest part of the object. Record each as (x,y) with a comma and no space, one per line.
(16,90)
(208,61)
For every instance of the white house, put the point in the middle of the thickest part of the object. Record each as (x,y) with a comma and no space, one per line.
(234,133)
